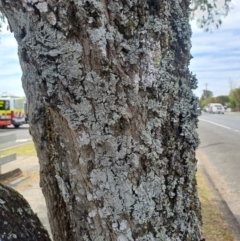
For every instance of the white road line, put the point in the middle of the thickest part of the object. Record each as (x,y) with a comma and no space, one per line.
(23,140)
(216,124)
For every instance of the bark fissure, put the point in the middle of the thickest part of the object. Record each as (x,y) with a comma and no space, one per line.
(112,115)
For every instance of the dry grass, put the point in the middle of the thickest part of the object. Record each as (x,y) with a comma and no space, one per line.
(215,227)
(22,150)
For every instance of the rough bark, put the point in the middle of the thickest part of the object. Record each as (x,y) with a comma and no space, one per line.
(112,115)
(17,220)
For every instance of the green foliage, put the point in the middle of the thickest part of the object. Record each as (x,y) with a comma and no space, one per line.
(232,103)
(202,103)
(222,99)
(234,98)
(207,97)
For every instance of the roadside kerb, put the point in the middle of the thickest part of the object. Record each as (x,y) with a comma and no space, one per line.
(8,158)
(28,186)
(232,113)
(224,204)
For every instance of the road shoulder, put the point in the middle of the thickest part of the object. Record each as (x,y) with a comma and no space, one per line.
(225,200)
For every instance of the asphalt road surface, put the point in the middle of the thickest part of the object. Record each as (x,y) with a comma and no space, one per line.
(22,135)
(228,121)
(219,152)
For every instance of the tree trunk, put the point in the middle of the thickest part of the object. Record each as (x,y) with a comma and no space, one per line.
(17,220)
(112,115)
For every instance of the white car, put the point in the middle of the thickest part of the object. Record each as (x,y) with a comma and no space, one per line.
(216,108)
(205,109)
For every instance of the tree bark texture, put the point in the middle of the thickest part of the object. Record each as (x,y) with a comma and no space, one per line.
(17,220)
(112,115)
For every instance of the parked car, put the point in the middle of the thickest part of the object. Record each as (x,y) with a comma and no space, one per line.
(216,108)
(205,109)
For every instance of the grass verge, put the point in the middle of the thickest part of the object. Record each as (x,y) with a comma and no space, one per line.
(22,150)
(215,227)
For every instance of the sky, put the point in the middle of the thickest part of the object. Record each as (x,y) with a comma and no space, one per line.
(216,57)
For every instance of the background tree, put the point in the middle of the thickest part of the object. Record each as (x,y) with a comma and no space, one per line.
(209,14)
(232,103)
(222,99)
(207,94)
(206,98)
(234,98)
(112,115)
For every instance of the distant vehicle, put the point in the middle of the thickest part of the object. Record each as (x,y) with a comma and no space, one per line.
(215,108)
(205,109)
(11,111)
(5,113)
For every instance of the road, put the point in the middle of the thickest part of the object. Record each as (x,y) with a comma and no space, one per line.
(227,121)
(219,153)
(28,183)
(22,135)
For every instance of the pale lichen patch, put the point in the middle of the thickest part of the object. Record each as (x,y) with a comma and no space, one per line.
(42,7)
(115,78)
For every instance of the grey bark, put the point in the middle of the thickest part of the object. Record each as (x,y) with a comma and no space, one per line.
(112,115)
(17,220)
